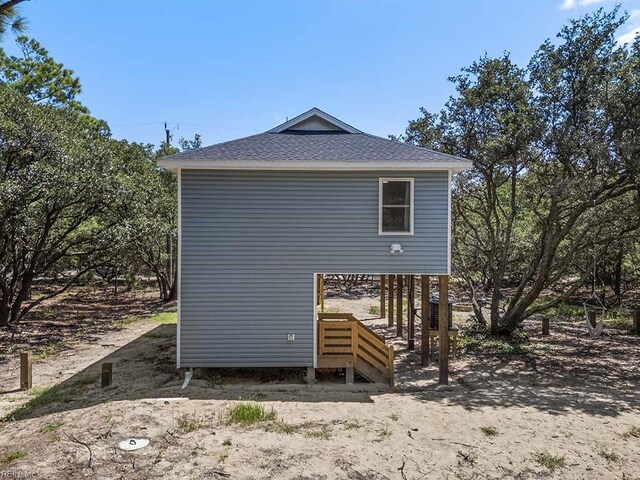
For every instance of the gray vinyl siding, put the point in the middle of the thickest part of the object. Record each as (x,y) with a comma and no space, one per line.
(251,242)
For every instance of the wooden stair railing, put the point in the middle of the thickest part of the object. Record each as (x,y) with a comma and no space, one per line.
(343,341)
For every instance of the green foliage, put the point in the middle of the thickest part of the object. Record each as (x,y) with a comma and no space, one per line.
(39,77)
(165,318)
(322,433)
(329,310)
(40,397)
(66,190)
(84,381)
(51,427)
(489,431)
(10,457)
(374,310)
(10,19)
(282,427)
(609,455)
(633,432)
(483,343)
(549,461)
(191,422)
(249,413)
(555,167)
(352,425)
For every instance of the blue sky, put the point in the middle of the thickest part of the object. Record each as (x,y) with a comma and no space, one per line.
(234,68)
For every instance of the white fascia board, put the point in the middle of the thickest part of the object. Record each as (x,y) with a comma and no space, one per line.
(455,165)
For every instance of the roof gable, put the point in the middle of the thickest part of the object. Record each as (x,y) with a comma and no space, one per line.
(314,120)
(314,141)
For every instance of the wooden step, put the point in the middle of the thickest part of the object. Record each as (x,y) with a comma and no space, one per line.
(369,372)
(335,361)
(345,342)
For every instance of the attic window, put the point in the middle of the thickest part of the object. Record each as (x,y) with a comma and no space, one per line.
(395,206)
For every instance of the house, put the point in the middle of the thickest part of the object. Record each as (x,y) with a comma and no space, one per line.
(260,217)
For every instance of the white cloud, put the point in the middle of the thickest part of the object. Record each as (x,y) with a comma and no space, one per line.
(571,4)
(633,28)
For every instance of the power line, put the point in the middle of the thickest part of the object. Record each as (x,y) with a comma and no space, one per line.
(185,124)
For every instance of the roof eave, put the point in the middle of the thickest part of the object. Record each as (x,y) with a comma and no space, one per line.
(174,165)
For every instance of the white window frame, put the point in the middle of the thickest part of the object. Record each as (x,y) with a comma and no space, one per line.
(381,181)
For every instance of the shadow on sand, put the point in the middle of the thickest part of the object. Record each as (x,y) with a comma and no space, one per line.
(595,376)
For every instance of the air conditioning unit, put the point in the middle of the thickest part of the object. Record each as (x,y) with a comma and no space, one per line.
(435,314)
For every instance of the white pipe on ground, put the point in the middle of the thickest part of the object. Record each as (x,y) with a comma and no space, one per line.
(187,378)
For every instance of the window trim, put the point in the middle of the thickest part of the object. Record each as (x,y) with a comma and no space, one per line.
(381,181)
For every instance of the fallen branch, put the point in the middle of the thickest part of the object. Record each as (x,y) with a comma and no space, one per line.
(401,470)
(86,445)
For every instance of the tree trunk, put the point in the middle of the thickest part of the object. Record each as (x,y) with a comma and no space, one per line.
(496,281)
(4,315)
(617,277)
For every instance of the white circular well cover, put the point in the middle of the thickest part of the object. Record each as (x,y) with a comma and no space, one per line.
(133,443)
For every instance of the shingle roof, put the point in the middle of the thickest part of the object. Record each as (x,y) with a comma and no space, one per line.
(314,140)
(314,146)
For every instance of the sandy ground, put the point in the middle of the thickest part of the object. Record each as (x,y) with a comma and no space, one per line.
(575,399)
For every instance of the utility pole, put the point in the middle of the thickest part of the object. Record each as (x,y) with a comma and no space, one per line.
(167,134)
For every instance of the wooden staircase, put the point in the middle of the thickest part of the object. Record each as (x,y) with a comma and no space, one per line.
(345,342)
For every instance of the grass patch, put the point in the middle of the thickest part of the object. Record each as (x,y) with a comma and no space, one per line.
(609,455)
(489,431)
(190,422)
(81,382)
(51,427)
(394,417)
(479,341)
(374,310)
(227,442)
(126,321)
(249,413)
(10,457)
(352,425)
(41,397)
(328,310)
(165,318)
(382,434)
(567,310)
(222,457)
(282,427)
(324,433)
(217,381)
(633,432)
(550,462)
(48,350)
(618,323)
(152,335)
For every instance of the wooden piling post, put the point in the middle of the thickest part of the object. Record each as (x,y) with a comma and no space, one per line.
(426,320)
(592,318)
(545,326)
(399,308)
(25,371)
(443,321)
(636,322)
(107,374)
(390,309)
(411,333)
(383,303)
(321,291)
(349,375)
